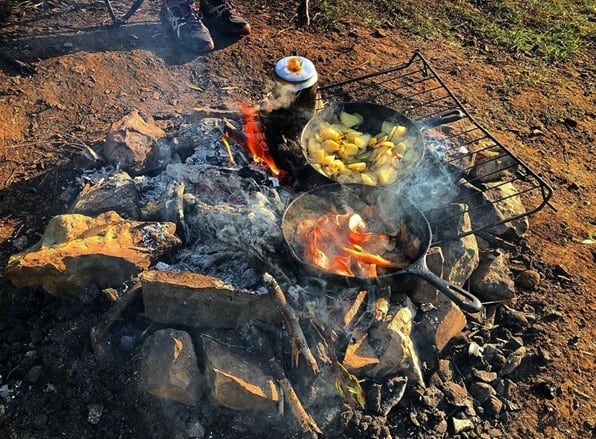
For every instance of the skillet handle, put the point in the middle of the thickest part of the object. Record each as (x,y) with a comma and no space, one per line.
(464,299)
(442,118)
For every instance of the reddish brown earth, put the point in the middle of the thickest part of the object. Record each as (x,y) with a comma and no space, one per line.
(65,77)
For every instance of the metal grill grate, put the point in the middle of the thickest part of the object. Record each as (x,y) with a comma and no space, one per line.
(415,89)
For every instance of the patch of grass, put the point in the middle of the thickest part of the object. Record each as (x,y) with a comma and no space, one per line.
(554,30)
(336,15)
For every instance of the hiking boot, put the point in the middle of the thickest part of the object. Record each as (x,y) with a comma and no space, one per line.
(182,18)
(225,17)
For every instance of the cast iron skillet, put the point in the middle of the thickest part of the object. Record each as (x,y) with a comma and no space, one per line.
(374,115)
(392,212)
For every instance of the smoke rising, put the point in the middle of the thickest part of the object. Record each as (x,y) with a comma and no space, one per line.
(432,184)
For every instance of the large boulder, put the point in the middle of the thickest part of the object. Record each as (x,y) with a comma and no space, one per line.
(79,251)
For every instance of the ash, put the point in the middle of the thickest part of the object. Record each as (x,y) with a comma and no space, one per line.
(229,214)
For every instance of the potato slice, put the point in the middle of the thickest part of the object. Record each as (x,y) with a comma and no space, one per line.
(348,150)
(326,131)
(350,120)
(331,145)
(386,174)
(368,179)
(362,140)
(357,167)
(398,132)
(323,158)
(313,146)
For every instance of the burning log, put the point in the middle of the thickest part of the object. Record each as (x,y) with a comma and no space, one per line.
(299,343)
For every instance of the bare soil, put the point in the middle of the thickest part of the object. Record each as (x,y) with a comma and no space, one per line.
(65,76)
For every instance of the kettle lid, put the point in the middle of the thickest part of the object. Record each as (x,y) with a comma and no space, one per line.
(295,69)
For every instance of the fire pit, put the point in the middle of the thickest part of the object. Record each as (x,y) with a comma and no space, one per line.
(236,327)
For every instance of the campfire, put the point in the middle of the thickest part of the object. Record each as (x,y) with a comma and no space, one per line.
(324,317)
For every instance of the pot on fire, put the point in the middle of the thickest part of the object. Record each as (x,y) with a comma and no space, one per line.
(296,79)
(364,236)
(366,143)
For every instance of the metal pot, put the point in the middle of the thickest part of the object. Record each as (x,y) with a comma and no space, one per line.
(296,79)
(391,211)
(374,115)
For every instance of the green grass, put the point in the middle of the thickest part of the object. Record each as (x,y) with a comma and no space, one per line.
(551,30)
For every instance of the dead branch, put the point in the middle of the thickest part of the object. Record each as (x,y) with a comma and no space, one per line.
(307,13)
(216,113)
(292,322)
(306,421)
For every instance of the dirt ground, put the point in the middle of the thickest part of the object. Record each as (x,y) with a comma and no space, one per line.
(65,77)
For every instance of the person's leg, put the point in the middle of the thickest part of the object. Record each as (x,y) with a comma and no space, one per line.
(183,19)
(224,15)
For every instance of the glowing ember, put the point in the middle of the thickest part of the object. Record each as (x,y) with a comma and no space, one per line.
(342,244)
(255,140)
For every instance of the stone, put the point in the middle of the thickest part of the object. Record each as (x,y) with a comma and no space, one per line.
(387,348)
(493,406)
(461,258)
(491,163)
(195,300)
(492,280)
(169,367)
(235,378)
(195,430)
(442,427)
(40,421)
(432,397)
(393,391)
(499,201)
(459,253)
(78,251)
(484,375)
(117,193)
(481,392)
(461,425)
(132,144)
(528,279)
(94,413)
(514,359)
(455,394)
(360,356)
(437,326)
(167,206)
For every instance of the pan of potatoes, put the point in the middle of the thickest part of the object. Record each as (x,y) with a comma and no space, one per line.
(365,143)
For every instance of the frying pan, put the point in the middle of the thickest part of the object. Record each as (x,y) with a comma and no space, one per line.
(374,115)
(389,210)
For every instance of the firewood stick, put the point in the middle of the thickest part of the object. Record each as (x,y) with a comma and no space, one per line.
(234,133)
(306,421)
(209,112)
(291,320)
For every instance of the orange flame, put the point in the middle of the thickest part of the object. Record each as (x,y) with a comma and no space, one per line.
(343,245)
(255,140)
